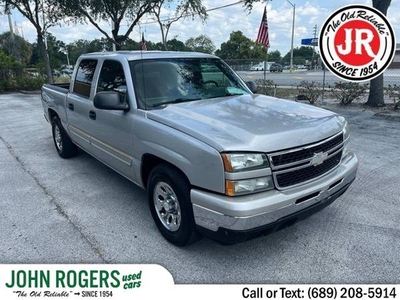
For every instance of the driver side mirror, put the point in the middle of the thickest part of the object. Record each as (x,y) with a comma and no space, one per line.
(252,86)
(110,100)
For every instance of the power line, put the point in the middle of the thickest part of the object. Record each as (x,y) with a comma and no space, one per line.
(188,15)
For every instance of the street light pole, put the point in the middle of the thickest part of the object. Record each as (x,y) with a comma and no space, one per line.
(66,52)
(291,49)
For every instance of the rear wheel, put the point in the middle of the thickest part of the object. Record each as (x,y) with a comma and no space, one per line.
(170,205)
(64,146)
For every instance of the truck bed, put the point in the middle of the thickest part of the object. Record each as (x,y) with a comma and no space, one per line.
(59,87)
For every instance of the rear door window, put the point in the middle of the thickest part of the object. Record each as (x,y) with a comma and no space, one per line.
(84,77)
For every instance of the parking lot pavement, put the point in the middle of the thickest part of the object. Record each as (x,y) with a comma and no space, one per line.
(34,228)
(78,210)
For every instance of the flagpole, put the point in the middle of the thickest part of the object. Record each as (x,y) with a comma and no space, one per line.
(265,70)
(263,38)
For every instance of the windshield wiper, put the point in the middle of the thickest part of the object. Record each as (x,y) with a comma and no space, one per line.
(177,100)
(233,94)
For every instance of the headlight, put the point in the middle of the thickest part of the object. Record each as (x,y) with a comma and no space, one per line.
(346,132)
(248,186)
(346,135)
(235,162)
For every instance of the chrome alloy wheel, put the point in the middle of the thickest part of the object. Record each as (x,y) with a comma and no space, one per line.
(167,206)
(58,138)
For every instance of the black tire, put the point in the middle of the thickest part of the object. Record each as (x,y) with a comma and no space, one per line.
(165,178)
(64,146)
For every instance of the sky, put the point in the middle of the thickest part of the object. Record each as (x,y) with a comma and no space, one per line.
(222,22)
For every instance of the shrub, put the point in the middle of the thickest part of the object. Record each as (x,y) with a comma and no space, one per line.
(269,89)
(30,83)
(393,91)
(21,83)
(309,91)
(347,92)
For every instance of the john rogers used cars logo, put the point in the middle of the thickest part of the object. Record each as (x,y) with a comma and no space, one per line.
(357,43)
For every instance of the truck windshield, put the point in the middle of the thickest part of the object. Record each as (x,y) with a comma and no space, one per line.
(159,82)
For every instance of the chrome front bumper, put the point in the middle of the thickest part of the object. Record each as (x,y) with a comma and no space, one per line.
(214,212)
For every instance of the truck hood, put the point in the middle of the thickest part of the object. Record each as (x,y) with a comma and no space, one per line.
(250,122)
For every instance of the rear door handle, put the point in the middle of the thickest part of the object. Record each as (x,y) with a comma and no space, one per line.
(70,106)
(92,115)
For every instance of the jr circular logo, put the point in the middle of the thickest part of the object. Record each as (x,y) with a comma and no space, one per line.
(357,43)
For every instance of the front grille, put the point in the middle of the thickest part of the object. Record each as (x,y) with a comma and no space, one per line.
(296,166)
(291,157)
(308,173)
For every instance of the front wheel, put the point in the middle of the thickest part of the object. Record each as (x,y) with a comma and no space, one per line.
(170,205)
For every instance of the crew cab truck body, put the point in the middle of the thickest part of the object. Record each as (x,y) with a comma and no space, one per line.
(215,159)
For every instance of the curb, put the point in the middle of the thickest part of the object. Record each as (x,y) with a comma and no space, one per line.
(388,116)
(37,92)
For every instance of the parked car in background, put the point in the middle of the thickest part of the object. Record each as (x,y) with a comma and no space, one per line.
(276,68)
(32,72)
(66,72)
(56,73)
(301,67)
(259,67)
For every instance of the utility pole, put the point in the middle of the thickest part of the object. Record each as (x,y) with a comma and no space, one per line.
(315,28)
(291,48)
(13,49)
(44,27)
(11,26)
(66,52)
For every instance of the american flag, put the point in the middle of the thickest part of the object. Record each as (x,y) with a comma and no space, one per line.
(263,36)
(143,43)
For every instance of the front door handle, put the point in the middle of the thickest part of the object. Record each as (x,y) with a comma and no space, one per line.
(70,106)
(92,115)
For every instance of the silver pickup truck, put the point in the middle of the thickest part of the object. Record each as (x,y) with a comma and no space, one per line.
(215,159)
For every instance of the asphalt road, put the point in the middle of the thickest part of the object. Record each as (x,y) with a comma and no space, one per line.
(79,211)
(391,76)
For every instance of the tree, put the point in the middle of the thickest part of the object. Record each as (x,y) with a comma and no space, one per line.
(16,46)
(184,9)
(176,45)
(202,43)
(375,97)
(300,55)
(172,45)
(239,47)
(114,11)
(274,56)
(76,48)
(56,50)
(81,46)
(100,45)
(7,61)
(34,10)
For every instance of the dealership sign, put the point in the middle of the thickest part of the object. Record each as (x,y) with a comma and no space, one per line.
(357,43)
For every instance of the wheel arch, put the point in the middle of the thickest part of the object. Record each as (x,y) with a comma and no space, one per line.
(149,162)
(52,113)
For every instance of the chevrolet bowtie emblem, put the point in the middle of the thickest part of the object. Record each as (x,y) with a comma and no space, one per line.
(319,158)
